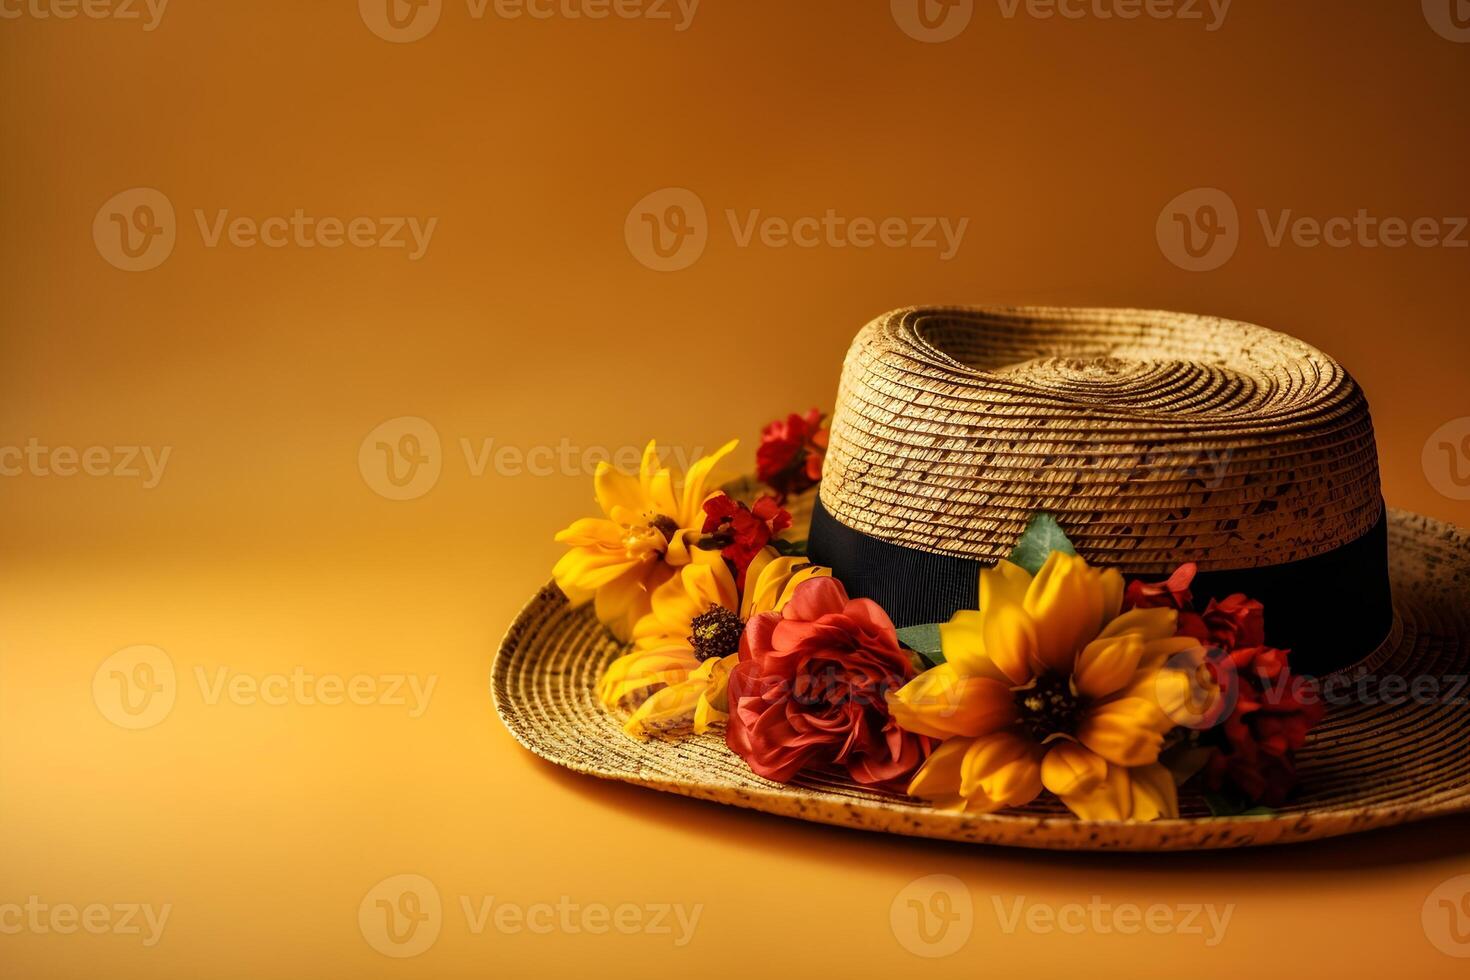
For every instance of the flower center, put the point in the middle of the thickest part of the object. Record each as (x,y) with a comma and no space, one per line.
(664,525)
(715,633)
(1048,706)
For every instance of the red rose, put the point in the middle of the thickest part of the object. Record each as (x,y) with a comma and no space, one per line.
(791,452)
(740,532)
(810,690)
(1272,714)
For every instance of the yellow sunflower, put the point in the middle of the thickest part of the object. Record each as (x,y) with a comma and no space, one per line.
(686,646)
(642,539)
(1048,686)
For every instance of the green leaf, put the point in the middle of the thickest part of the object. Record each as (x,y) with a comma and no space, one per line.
(1041,537)
(924,640)
(1223,805)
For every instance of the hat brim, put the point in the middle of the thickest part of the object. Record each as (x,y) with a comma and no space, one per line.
(1400,754)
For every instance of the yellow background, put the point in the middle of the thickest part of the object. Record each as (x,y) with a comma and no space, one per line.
(528,321)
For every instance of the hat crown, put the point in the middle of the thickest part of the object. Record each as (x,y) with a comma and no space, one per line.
(1154,438)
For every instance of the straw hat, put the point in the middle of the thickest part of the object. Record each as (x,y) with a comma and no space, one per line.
(1154,439)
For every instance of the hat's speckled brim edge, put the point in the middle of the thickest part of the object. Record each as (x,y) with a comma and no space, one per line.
(1366,766)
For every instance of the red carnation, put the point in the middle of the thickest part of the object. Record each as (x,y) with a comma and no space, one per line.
(791,452)
(740,532)
(1269,721)
(1233,622)
(810,690)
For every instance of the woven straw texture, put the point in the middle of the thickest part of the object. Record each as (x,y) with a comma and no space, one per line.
(1153,437)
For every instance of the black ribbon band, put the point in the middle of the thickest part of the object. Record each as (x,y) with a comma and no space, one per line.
(1330,610)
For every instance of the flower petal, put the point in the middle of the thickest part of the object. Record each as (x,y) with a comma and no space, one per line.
(1109,799)
(691,513)
(666,710)
(1113,588)
(943,703)
(816,598)
(1151,624)
(963,641)
(999,770)
(1154,793)
(1125,731)
(1065,601)
(714,704)
(1005,584)
(616,489)
(771,579)
(641,669)
(939,777)
(1106,666)
(1071,770)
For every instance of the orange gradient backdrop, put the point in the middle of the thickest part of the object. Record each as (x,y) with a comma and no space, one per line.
(264,549)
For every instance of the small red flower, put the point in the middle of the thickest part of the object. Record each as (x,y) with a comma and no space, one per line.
(1271,710)
(810,690)
(740,532)
(789,459)
(1172,592)
(1234,621)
